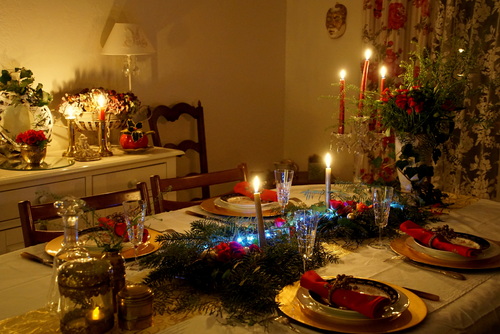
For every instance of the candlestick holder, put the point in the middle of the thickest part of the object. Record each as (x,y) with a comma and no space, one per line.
(103,139)
(362,142)
(70,152)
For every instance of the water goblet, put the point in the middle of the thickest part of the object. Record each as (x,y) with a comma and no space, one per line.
(306,224)
(283,178)
(382,199)
(135,214)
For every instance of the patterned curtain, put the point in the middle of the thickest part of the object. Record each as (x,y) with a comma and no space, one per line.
(470,161)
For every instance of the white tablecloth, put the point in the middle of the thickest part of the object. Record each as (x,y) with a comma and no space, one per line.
(470,306)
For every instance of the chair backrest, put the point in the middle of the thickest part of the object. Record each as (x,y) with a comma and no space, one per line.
(31,215)
(172,114)
(160,186)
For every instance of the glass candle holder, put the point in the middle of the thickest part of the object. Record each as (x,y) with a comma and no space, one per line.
(86,302)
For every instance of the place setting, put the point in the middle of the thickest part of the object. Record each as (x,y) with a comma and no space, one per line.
(444,247)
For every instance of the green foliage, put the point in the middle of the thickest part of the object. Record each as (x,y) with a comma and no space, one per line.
(187,276)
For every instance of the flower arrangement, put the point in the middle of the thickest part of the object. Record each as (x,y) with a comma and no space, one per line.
(33,138)
(122,105)
(16,88)
(110,233)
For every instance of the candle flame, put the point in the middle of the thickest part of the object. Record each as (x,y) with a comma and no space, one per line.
(383,71)
(256,184)
(328,160)
(368,54)
(70,112)
(342,74)
(95,313)
(101,101)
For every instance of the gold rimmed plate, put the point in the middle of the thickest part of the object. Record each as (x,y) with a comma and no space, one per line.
(53,246)
(402,247)
(411,316)
(210,205)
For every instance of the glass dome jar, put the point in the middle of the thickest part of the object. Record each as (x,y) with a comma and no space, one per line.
(86,297)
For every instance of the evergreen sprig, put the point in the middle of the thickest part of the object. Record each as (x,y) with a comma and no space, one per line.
(187,276)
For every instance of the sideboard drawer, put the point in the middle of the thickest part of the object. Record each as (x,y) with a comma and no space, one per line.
(37,194)
(126,179)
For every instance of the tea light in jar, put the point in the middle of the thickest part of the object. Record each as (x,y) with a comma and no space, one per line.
(98,321)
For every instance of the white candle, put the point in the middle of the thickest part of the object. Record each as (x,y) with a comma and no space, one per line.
(328,174)
(258,212)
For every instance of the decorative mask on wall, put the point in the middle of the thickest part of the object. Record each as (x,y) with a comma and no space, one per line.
(336,19)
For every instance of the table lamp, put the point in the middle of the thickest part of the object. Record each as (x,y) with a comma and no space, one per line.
(127,39)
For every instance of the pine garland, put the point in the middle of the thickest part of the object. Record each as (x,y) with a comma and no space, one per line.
(186,275)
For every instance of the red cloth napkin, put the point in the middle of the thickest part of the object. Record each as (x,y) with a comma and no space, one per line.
(369,305)
(246,189)
(437,241)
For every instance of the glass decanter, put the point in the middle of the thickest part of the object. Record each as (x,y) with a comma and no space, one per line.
(69,208)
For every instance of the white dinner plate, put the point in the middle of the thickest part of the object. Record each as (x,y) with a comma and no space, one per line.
(491,251)
(313,305)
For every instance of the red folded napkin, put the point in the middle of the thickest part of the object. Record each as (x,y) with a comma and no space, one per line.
(246,189)
(369,305)
(434,240)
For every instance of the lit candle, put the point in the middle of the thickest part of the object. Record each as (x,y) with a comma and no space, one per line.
(98,321)
(101,101)
(258,212)
(69,112)
(342,102)
(383,72)
(364,78)
(328,174)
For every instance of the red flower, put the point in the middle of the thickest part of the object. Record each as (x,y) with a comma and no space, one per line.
(279,222)
(227,252)
(397,16)
(31,137)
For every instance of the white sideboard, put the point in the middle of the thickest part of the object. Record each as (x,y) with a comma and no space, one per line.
(118,172)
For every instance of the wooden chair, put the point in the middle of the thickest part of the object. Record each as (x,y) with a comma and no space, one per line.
(31,215)
(172,114)
(160,186)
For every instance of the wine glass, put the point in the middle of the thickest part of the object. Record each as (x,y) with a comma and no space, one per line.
(135,214)
(283,178)
(382,199)
(306,224)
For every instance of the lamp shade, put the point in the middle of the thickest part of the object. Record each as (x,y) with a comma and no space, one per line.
(127,39)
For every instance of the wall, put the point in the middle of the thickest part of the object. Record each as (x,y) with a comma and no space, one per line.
(313,63)
(227,54)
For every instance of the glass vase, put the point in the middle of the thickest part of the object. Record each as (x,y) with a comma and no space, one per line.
(69,209)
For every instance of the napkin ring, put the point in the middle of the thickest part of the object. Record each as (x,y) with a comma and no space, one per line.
(431,240)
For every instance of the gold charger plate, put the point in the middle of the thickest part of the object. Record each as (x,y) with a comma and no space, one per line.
(210,206)
(53,246)
(412,316)
(400,246)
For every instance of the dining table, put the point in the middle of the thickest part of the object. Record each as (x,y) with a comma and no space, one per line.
(470,305)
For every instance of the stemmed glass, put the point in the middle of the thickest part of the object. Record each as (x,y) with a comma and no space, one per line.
(306,224)
(382,199)
(283,178)
(135,214)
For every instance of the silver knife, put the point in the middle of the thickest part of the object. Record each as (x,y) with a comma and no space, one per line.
(199,215)
(448,273)
(36,258)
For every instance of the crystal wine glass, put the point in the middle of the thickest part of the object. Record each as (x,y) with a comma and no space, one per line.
(283,178)
(382,199)
(135,214)
(306,224)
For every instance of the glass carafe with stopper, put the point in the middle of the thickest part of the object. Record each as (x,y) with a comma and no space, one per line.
(69,208)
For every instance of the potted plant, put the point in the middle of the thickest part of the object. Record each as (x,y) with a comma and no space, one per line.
(22,106)
(133,137)
(33,146)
